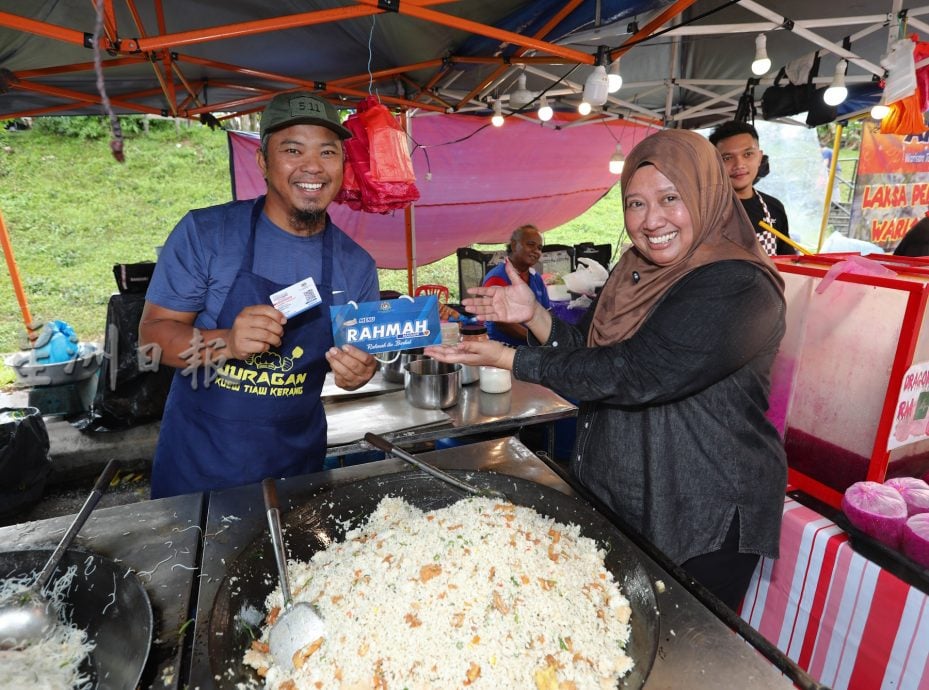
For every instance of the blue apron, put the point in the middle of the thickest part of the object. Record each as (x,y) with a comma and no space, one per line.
(261,417)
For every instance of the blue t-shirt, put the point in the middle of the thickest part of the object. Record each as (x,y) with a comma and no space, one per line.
(536,284)
(203,254)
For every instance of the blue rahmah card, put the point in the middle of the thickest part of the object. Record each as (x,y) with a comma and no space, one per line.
(387,325)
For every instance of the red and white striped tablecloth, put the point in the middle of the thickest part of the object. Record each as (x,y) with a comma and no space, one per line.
(845,620)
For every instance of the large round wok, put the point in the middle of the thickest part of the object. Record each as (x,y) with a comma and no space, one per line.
(120,625)
(239,604)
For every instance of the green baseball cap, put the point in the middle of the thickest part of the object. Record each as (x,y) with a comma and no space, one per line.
(300,108)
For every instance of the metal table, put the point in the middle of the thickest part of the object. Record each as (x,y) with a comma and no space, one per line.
(159,540)
(476,413)
(696,650)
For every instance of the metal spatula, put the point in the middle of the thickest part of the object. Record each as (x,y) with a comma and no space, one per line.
(383,444)
(298,624)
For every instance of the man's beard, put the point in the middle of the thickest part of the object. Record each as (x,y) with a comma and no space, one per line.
(309,220)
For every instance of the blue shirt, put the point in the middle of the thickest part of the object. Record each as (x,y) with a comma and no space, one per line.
(536,284)
(203,253)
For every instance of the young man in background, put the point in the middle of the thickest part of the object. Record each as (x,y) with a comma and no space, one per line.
(737,143)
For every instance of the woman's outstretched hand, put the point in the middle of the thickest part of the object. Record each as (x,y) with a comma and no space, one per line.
(514,303)
(488,353)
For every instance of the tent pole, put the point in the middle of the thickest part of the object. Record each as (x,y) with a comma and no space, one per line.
(836,144)
(409,216)
(14,276)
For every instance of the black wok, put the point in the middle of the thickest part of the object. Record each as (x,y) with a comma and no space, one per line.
(121,627)
(239,603)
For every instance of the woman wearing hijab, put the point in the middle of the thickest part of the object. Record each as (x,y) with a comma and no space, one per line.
(672,368)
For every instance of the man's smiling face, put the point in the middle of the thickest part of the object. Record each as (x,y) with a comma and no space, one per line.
(303,169)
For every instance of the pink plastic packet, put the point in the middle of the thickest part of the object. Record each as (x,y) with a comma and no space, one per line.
(856,265)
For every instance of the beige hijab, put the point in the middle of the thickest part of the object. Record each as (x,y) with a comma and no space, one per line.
(722,231)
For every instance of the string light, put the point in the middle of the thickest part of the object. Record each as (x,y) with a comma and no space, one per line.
(596,88)
(497,119)
(545,110)
(762,63)
(584,108)
(614,78)
(521,95)
(617,160)
(837,92)
(881,110)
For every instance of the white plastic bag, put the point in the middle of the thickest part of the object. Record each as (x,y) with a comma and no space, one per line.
(587,278)
(901,71)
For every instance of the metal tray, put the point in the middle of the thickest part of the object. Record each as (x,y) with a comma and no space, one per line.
(29,373)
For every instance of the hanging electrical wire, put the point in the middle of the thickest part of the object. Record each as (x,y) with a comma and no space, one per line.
(370,57)
(116,143)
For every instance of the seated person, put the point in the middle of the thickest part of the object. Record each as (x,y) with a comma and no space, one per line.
(523,251)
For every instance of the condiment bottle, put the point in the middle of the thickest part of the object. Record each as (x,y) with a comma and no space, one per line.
(494,380)
(471,331)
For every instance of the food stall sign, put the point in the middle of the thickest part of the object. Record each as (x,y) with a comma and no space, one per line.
(911,420)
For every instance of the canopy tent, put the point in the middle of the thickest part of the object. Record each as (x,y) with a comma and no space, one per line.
(685,62)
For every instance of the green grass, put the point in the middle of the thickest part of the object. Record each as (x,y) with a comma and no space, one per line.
(72,212)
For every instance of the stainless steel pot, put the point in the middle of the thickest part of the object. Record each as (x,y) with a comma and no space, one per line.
(432,385)
(469,374)
(393,364)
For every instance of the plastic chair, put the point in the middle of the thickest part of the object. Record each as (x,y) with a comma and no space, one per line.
(439,290)
(556,258)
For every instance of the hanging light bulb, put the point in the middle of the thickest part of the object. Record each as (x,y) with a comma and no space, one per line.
(762,64)
(881,110)
(545,110)
(836,93)
(596,88)
(521,96)
(497,119)
(617,160)
(584,108)
(614,78)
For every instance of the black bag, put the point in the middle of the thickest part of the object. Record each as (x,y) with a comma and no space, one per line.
(127,394)
(24,460)
(133,277)
(781,101)
(820,112)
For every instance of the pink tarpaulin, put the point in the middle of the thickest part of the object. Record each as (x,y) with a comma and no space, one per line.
(478,183)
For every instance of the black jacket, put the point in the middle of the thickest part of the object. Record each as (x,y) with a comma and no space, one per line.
(673,433)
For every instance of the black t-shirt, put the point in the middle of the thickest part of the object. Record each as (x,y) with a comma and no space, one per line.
(756,213)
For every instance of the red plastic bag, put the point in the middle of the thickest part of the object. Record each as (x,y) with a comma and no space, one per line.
(378,169)
(356,164)
(387,146)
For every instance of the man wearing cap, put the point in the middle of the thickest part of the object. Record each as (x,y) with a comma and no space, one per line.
(245,400)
